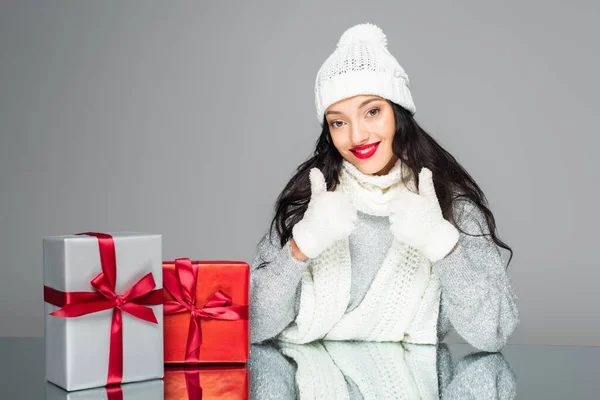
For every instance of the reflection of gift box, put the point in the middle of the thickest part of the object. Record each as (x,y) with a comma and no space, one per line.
(206,311)
(103,319)
(217,382)
(148,390)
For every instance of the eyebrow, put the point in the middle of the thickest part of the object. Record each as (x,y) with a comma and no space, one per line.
(364,103)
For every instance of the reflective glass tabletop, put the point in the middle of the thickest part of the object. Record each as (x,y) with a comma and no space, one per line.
(344,370)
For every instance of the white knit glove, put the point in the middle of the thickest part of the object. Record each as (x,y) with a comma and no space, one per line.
(416,219)
(330,216)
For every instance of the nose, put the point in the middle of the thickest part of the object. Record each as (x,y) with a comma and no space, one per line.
(359,134)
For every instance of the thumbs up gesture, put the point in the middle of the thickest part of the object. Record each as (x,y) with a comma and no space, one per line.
(416,219)
(330,216)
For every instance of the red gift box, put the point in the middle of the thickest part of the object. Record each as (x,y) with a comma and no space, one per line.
(205,311)
(206,383)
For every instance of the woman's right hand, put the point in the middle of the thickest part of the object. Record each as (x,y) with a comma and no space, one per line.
(329,217)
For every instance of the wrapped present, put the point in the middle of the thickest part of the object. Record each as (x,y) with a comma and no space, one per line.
(217,382)
(104,313)
(148,390)
(206,311)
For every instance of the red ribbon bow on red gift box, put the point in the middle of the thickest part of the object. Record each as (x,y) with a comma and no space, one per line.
(181,284)
(133,302)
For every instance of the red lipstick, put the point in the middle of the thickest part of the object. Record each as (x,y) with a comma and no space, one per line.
(364,155)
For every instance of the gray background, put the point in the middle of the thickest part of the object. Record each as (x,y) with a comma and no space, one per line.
(188,118)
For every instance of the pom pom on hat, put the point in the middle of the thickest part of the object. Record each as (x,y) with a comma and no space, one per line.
(367,32)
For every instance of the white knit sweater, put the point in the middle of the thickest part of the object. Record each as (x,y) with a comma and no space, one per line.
(477,299)
(333,370)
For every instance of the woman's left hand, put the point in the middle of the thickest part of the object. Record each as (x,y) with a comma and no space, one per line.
(416,219)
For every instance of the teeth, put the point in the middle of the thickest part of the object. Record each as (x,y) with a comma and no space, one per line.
(365,150)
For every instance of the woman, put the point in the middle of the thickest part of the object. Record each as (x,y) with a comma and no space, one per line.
(354,370)
(381,235)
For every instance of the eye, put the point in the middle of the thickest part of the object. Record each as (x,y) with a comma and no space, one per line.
(332,124)
(371,110)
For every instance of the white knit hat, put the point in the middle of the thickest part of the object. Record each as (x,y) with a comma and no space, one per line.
(361,64)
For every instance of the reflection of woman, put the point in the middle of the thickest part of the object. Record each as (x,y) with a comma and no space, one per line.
(381,235)
(368,370)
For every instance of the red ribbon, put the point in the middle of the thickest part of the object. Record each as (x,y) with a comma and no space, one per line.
(192,384)
(133,302)
(181,284)
(114,393)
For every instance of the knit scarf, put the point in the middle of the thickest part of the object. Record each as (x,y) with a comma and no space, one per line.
(379,370)
(402,303)
(372,194)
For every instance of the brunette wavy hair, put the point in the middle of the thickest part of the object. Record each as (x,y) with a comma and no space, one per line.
(415,148)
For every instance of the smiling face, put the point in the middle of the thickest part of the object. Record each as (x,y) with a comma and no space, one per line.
(362,129)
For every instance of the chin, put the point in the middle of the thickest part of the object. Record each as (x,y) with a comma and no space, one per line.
(370,168)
